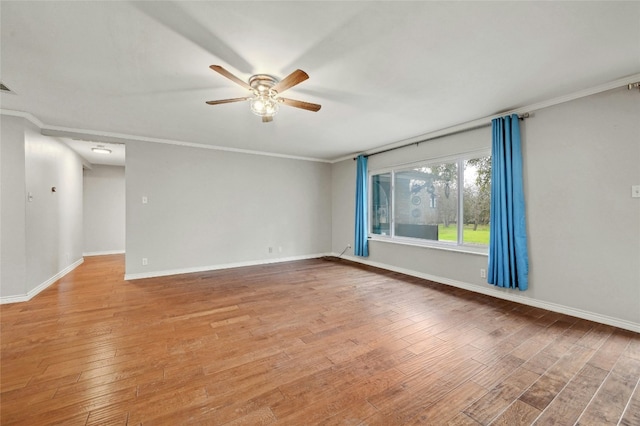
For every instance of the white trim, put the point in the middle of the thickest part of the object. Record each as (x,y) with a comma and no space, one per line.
(431,244)
(442,132)
(30,295)
(449,158)
(102,253)
(154,274)
(24,115)
(506,295)
(13,299)
(615,84)
(59,131)
(487,120)
(68,132)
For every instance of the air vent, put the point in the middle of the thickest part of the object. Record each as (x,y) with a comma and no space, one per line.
(4,88)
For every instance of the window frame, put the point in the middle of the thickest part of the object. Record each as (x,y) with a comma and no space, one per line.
(458,245)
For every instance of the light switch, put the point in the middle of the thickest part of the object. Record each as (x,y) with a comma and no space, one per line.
(144,199)
(635,191)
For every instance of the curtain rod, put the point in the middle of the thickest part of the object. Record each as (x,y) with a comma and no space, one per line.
(479,126)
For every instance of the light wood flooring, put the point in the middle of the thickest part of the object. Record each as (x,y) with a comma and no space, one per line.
(303,343)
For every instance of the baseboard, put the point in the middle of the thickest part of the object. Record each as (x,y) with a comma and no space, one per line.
(13,299)
(164,273)
(31,294)
(102,253)
(506,295)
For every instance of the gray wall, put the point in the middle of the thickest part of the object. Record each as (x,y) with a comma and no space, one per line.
(104,210)
(13,251)
(210,208)
(54,219)
(580,160)
(41,238)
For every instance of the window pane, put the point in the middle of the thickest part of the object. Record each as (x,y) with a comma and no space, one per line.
(380,203)
(426,202)
(477,200)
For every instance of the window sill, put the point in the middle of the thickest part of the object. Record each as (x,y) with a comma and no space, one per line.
(468,249)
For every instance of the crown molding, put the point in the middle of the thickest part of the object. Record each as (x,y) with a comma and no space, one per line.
(110,137)
(615,84)
(100,136)
(22,114)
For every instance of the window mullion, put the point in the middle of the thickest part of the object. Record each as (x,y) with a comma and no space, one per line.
(370,209)
(460,222)
(392,213)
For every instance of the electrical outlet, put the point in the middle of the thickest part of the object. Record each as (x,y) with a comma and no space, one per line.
(145,261)
(483,273)
(270,249)
(279,249)
(348,245)
(635,191)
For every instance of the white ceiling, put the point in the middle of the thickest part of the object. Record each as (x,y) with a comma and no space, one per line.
(383,71)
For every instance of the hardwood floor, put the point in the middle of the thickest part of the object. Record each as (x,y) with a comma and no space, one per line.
(302,343)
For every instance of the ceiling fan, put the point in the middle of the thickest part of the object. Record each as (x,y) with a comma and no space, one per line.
(265,92)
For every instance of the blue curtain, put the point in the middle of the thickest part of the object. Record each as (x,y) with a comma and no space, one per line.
(361,246)
(508,257)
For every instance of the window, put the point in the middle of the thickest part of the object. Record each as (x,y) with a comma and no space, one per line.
(380,203)
(444,201)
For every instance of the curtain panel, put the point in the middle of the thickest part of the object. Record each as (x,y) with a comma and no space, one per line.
(361,244)
(508,255)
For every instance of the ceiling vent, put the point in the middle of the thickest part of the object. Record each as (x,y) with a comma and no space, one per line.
(5,89)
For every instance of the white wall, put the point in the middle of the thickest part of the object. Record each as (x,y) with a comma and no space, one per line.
(209,209)
(53,219)
(41,238)
(580,160)
(13,252)
(104,210)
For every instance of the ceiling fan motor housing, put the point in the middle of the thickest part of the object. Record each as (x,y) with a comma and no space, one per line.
(262,82)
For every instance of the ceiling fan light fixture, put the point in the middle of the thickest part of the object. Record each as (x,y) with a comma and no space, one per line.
(264,102)
(264,105)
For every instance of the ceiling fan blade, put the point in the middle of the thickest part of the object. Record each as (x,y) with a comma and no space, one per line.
(224,72)
(296,77)
(300,104)
(226,101)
